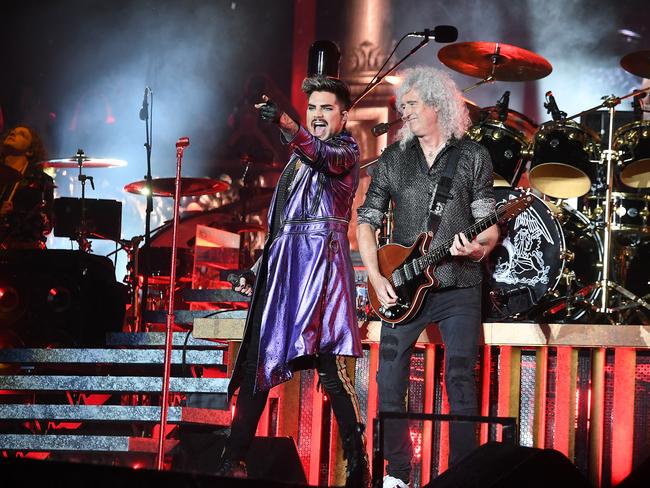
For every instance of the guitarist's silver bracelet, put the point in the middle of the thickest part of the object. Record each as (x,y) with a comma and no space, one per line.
(481,258)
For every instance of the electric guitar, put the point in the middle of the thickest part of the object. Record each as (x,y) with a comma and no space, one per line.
(410,269)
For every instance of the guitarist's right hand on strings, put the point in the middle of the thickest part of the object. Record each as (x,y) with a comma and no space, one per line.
(384,290)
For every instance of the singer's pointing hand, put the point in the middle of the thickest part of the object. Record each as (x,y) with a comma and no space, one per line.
(269,111)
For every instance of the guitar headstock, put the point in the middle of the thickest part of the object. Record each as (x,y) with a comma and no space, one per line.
(514,207)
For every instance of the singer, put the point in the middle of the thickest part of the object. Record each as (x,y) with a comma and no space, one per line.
(302,313)
(432,159)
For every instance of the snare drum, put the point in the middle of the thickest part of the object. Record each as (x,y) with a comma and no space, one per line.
(548,255)
(565,157)
(630,211)
(507,142)
(633,142)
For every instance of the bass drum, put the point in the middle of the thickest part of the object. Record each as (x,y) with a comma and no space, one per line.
(545,266)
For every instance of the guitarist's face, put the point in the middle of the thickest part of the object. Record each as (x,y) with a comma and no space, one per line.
(422,119)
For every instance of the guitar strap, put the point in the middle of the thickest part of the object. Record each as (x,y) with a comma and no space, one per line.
(443,190)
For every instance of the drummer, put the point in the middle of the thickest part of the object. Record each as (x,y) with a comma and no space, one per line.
(26,192)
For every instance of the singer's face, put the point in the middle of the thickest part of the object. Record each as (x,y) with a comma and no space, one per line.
(325,118)
(422,119)
(18,140)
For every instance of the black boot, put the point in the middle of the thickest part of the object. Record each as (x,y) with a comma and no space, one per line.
(230,465)
(357,474)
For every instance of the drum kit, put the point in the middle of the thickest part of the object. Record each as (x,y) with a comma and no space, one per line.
(558,262)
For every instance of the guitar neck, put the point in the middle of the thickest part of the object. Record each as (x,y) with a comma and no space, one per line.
(441,251)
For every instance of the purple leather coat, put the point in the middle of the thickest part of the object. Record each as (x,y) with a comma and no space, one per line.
(309,305)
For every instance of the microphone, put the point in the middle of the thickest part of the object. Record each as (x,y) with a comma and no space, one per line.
(636,106)
(380,129)
(440,33)
(144,111)
(183,142)
(383,127)
(551,107)
(502,106)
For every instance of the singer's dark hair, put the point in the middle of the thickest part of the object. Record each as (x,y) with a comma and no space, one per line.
(331,85)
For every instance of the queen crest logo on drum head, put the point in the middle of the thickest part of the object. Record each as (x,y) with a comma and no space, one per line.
(547,254)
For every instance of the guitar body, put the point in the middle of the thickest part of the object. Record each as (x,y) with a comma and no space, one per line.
(411,293)
(410,269)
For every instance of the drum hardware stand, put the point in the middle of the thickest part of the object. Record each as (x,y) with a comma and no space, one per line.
(146,113)
(606,284)
(484,81)
(82,232)
(181,144)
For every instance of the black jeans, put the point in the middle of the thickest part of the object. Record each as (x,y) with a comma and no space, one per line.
(458,314)
(249,406)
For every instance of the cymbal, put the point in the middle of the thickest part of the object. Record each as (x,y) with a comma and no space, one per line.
(86,162)
(9,175)
(637,63)
(165,187)
(503,61)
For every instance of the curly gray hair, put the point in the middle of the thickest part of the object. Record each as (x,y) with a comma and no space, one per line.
(438,90)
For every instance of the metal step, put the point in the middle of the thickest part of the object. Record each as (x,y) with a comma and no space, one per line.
(122,384)
(121,356)
(186,317)
(114,413)
(95,443)
(179,339)
(213,295)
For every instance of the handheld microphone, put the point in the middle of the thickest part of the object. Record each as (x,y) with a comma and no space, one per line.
(144,111)
(502,106)
(382,128)
(440,33)
(551,107)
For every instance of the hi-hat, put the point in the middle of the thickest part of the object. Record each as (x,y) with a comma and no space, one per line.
(637,63)
(86,162)
(502,62)
(165,187)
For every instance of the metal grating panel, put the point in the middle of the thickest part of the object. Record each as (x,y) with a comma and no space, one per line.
(527,398)
(305,417)
(437,408)
(582,411)
(551,386)
(608,410)
(416,405)
(642,408)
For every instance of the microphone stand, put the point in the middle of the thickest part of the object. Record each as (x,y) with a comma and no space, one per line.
(181,144)
(147,219)
(379,78)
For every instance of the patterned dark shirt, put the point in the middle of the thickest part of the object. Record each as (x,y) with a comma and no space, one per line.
(404,177)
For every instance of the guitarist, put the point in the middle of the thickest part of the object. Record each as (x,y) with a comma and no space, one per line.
(410,174)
